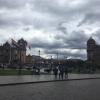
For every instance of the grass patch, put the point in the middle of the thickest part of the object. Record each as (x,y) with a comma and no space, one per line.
(6,72)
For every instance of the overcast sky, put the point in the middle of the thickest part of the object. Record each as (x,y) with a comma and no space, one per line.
(51,26)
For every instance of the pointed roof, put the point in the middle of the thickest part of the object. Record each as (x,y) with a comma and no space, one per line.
(91,40)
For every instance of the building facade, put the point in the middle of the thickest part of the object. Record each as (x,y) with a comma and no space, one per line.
(29,59)
(14,52)
(93,52)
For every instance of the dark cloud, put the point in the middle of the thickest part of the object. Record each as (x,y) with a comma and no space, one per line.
(62,28)
(7,21)
(96,36)
(90,18)
(38,43)
(47,16)
(57,9)
(76,40)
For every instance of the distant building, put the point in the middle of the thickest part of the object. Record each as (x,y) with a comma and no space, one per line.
(93,51)
(34,60)
(22,48)
(14,52)
(37,59)
(29,59)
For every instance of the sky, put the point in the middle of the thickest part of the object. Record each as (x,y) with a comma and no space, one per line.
(51,26)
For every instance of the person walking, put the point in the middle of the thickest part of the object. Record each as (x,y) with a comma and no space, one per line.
(66,72)
(61,71)
(55,70)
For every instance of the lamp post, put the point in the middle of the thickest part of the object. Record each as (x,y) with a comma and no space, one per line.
(39,53)
(51,62)
(20,65)
(57,56)
(39,58)
(10,55)
(39,63)
(58,59)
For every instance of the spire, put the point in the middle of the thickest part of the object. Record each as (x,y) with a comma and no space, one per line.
(90,37)
(91,41)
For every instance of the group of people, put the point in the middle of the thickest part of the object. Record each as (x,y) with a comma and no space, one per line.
(61,71)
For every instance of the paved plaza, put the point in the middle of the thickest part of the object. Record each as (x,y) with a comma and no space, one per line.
(68,90)
(39,78)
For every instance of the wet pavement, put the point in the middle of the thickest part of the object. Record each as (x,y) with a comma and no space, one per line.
(64,90)
(39,78)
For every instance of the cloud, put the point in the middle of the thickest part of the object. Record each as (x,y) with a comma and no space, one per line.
(13,4)
(74,40)
(67,53)
(62,28)
(90,18)
(73,45)
(51,26)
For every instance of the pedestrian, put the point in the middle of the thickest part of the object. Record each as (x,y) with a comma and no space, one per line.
(34,70)
(61,72)
(66,72)
(55,70)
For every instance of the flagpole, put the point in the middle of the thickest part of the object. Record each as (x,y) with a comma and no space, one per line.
(39,58)
(10,55)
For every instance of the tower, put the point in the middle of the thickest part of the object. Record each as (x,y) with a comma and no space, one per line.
(90,49)
(22,52)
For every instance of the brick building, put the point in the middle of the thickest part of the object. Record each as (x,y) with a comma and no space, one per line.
(93,51)
(14,52)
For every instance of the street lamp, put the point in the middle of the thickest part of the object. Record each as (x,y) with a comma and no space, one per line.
(57,55)
(39,58)
(39,63)
(20,61)
(51,62)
